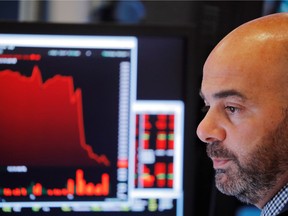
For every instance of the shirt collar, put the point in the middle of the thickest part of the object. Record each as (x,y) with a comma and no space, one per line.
(277,203)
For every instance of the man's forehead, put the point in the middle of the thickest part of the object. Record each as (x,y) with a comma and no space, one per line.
(225,93)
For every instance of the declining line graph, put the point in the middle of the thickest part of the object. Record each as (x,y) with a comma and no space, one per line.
(42,122)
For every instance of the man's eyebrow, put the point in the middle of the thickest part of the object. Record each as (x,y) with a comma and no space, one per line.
(229,93)
(225,94)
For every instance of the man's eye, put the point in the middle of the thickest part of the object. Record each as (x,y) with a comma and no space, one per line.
(231,109)
(205,109)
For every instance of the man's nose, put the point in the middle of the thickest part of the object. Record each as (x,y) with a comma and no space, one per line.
(210,128)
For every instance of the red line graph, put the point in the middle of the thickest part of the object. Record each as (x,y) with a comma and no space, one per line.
(42,123)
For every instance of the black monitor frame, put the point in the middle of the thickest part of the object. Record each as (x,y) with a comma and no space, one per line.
(190,77)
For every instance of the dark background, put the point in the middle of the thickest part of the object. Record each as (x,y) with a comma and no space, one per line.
(211,20)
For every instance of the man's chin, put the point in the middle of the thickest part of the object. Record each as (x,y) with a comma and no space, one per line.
(221,181)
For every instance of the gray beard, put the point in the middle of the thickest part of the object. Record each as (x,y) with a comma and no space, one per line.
(252,179)
(247,186)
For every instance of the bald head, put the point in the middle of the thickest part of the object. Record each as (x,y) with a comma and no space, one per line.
(257,50)
(272,26)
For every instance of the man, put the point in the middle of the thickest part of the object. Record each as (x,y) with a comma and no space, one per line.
(245,89)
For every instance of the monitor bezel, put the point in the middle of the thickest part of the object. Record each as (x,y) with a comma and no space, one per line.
(190,85)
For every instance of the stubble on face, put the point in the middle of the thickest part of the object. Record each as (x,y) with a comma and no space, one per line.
(251,178)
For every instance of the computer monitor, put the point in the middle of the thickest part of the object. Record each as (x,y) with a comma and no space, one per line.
(92,119)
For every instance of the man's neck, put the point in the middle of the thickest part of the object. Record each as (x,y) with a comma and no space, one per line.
(271,193)
(278,204)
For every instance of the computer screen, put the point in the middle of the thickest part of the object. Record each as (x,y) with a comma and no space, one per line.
(92,119)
